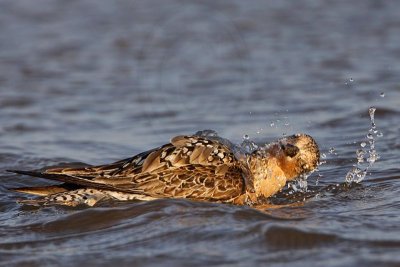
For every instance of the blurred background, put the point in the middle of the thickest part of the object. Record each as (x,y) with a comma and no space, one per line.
(96,81)
(130,74)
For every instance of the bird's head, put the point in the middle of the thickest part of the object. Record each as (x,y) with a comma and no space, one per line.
(296,154)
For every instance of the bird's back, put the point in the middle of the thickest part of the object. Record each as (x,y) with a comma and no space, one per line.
(196,167)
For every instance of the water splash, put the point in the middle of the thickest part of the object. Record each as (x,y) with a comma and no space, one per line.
(300,185)
(319,176)
(248,145)
(367,155)
(349,81)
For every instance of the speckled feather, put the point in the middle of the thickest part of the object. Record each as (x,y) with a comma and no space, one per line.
(188,167)
(194,167)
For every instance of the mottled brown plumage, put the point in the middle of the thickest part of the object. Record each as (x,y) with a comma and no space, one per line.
(198,167)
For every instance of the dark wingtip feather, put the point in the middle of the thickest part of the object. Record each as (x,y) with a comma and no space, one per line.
(78,181)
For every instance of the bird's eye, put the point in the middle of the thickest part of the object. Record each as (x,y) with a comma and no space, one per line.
(290,150)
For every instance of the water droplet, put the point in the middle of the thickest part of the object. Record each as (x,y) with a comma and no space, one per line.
(323,156)
(380,134)
(382,94)
(351,80)
(246,137)
(355,175)
(284,134)
(365,161)
(371,111)
(360,155)
(331,150)
(373,156)
(272,124)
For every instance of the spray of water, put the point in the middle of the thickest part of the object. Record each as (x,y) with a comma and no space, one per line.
(248,145)
(300,184)
(366,155)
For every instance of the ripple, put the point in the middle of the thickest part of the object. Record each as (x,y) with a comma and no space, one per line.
(279,237)
(16,102)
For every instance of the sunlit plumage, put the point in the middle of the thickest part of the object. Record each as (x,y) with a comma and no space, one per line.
(201,167)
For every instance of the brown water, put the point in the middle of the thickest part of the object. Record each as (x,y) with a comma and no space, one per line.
(96,81)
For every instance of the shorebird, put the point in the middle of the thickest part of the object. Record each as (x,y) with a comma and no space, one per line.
(203,167)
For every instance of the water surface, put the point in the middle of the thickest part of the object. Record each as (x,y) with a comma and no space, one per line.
(97,81)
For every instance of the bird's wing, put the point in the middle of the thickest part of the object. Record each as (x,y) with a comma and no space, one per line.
(191,181)
(189,166)
(129,166)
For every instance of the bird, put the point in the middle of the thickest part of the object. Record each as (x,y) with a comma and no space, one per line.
(201,167)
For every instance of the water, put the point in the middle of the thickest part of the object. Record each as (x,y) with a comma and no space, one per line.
(359,171)
(97,81)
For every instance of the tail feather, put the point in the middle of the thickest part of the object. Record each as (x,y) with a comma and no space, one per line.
(44,190)
(77,181)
